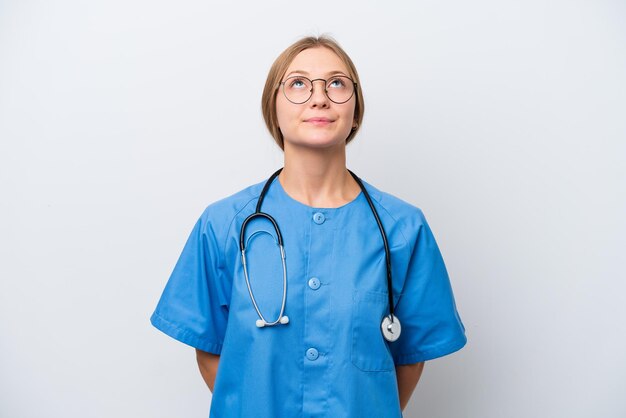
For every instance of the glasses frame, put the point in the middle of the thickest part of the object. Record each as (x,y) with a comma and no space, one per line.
(282,83)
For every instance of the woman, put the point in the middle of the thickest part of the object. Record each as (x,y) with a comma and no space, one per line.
(306,338)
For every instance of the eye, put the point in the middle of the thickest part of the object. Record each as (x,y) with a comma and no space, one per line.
(337,83)
(296,83)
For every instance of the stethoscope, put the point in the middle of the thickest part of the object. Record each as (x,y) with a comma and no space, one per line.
(390,325)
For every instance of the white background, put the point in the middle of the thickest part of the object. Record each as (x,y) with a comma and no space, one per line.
(503,120)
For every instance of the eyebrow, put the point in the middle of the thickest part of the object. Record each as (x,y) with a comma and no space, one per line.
(306,73)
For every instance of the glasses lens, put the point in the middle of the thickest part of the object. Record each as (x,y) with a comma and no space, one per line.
(340,89)
(297,89)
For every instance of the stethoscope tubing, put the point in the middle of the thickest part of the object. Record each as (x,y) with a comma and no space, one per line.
(385,243)
(265,322)
(258,213)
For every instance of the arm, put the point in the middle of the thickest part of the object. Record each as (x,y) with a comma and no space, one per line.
(408,375)
(207,363)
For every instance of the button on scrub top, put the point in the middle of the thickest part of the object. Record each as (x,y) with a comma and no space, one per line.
(331,359)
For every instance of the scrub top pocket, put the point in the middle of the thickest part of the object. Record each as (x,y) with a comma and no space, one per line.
(369,352)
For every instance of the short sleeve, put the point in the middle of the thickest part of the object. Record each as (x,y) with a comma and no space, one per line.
(431,326)
(193,308)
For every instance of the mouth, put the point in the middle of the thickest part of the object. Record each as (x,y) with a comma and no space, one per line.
(319,121)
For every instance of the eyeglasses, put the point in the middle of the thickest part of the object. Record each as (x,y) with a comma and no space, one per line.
(299,89)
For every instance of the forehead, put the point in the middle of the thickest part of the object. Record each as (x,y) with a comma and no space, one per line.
(317,61)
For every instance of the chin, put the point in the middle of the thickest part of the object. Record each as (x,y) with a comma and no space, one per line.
(318,142)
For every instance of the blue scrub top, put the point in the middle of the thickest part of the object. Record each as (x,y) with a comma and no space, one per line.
(331,360)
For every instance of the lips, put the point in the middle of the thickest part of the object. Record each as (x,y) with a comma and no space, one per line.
(318,121)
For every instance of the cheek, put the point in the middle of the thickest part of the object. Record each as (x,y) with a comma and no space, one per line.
(349,112)
(283,114)
(351,115)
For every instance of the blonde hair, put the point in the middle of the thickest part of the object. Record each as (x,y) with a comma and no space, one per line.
(277,72)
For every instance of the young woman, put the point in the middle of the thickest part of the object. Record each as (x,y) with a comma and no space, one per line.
(329,300)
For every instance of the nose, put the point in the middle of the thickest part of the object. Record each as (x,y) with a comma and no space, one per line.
(318,96)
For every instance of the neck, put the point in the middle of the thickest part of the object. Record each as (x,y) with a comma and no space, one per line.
(318,177)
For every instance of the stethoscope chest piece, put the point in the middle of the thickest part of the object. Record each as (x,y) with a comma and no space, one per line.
(391,328)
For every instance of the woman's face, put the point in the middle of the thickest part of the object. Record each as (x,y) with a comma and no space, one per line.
(319,122)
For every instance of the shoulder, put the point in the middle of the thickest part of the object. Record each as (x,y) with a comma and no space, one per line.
(406,217)
(396,207)
(219,215)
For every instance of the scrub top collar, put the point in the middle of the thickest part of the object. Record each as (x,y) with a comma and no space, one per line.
(282,195)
